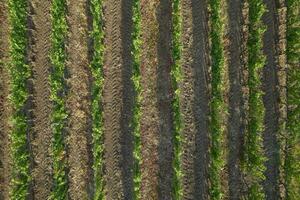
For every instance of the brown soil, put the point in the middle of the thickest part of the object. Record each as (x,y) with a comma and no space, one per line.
(5,160)
(118,101)
(236,120)
(78,102)
(194,98)
(128,100)
(270,99)
(225,92)
(282,85)
(156,119)
(164,95)
(156,104)
(245,88)
(42,134)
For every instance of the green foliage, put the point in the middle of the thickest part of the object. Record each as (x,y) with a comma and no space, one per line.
(176,77)
(20,73)
(217,104)
(292,155)
(58,93)
(137,110)
(256,60)
(96,65)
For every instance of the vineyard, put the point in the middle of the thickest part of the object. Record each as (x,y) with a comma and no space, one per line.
(150,99)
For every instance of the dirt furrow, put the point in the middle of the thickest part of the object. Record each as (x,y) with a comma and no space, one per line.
(236,129)
(245,117)
(5,160)
(270,99)
(225,91)
(194,99)
(118,100)
(127,98)
(156,105)
(282,86)
(42,134)
(78,101)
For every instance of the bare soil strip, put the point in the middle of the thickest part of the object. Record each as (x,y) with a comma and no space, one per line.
(245,88)
(5,160)
(128,99)
(270,98)
(118,100)
(194,99)
(78,101)
(42,134)
(282,86)
(156,104)
(164,98)
(225,91)
(236,129)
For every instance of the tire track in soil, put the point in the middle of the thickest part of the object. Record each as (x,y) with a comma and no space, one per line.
(165,97)
(118,100)
(5,108)
(236,126)
(156,103)
(78,102)
(270,99)
(42,135)
(194,99)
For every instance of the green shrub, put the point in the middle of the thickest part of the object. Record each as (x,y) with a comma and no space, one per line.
(136,81)
(292,155)
(96,65)
(217,103)
(58,93)
(256,60)
(176,77)
(20,72)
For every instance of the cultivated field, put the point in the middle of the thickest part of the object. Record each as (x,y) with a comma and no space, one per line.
(150,99)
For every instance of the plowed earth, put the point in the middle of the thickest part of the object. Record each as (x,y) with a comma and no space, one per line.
(5,161)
